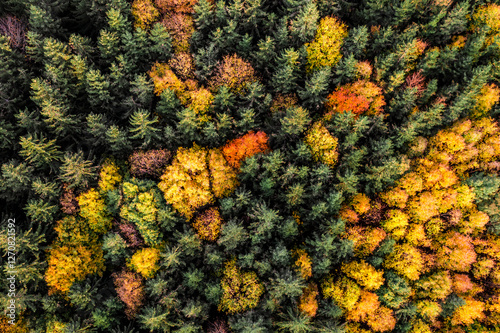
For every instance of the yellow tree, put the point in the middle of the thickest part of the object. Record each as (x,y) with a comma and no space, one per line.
(68,264)
(145,262)
(208,224)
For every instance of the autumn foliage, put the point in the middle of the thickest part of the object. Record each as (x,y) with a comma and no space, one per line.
(360,97)
(130,290)
(234,73)
(145,13)
(322,144)
(237,150)
(208,224)
(68,264)
(325,49)
(241,290)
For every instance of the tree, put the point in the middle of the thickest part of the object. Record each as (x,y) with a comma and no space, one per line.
(308,302)
(237,150)
(68,264)
(406,260)
(130,290)
(344,291)
(325,49)
(39,151)
(149,163)
(145,13)
(93,210)
(186,183)
(145,262)
(208,224)
(360,97)
(76,171)
(144,128)
(364,274)
(322,144)
(234,73)
(241,290)
(180,27)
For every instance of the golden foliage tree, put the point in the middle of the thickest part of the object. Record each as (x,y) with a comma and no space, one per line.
(68,264)
(109,176)
(308,302)
(145,13)
(223,177)
(344,291)
(164,78)
(322,144)
(208,224)
(186,182)
(303,263)
(364,274)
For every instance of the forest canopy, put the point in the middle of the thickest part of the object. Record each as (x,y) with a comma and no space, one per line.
(250,166)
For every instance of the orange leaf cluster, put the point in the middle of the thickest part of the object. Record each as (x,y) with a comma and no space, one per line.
(360,97)
(237,150)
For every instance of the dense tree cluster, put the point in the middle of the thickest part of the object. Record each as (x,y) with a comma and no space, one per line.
(251,166)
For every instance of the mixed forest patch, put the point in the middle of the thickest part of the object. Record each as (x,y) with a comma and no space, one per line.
(250,166)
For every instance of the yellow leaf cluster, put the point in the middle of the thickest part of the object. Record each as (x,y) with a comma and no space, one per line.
(365,240)
(303,263)
(145,13)
(186,182)
(145,262)
(368,303)
(208,224)
(195,178)
(164,78)
(406,260)
(68,264)
(93,210)
(325,49)
(489,96)
(466,314)
(322,144)
(344,291)
(308,302)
